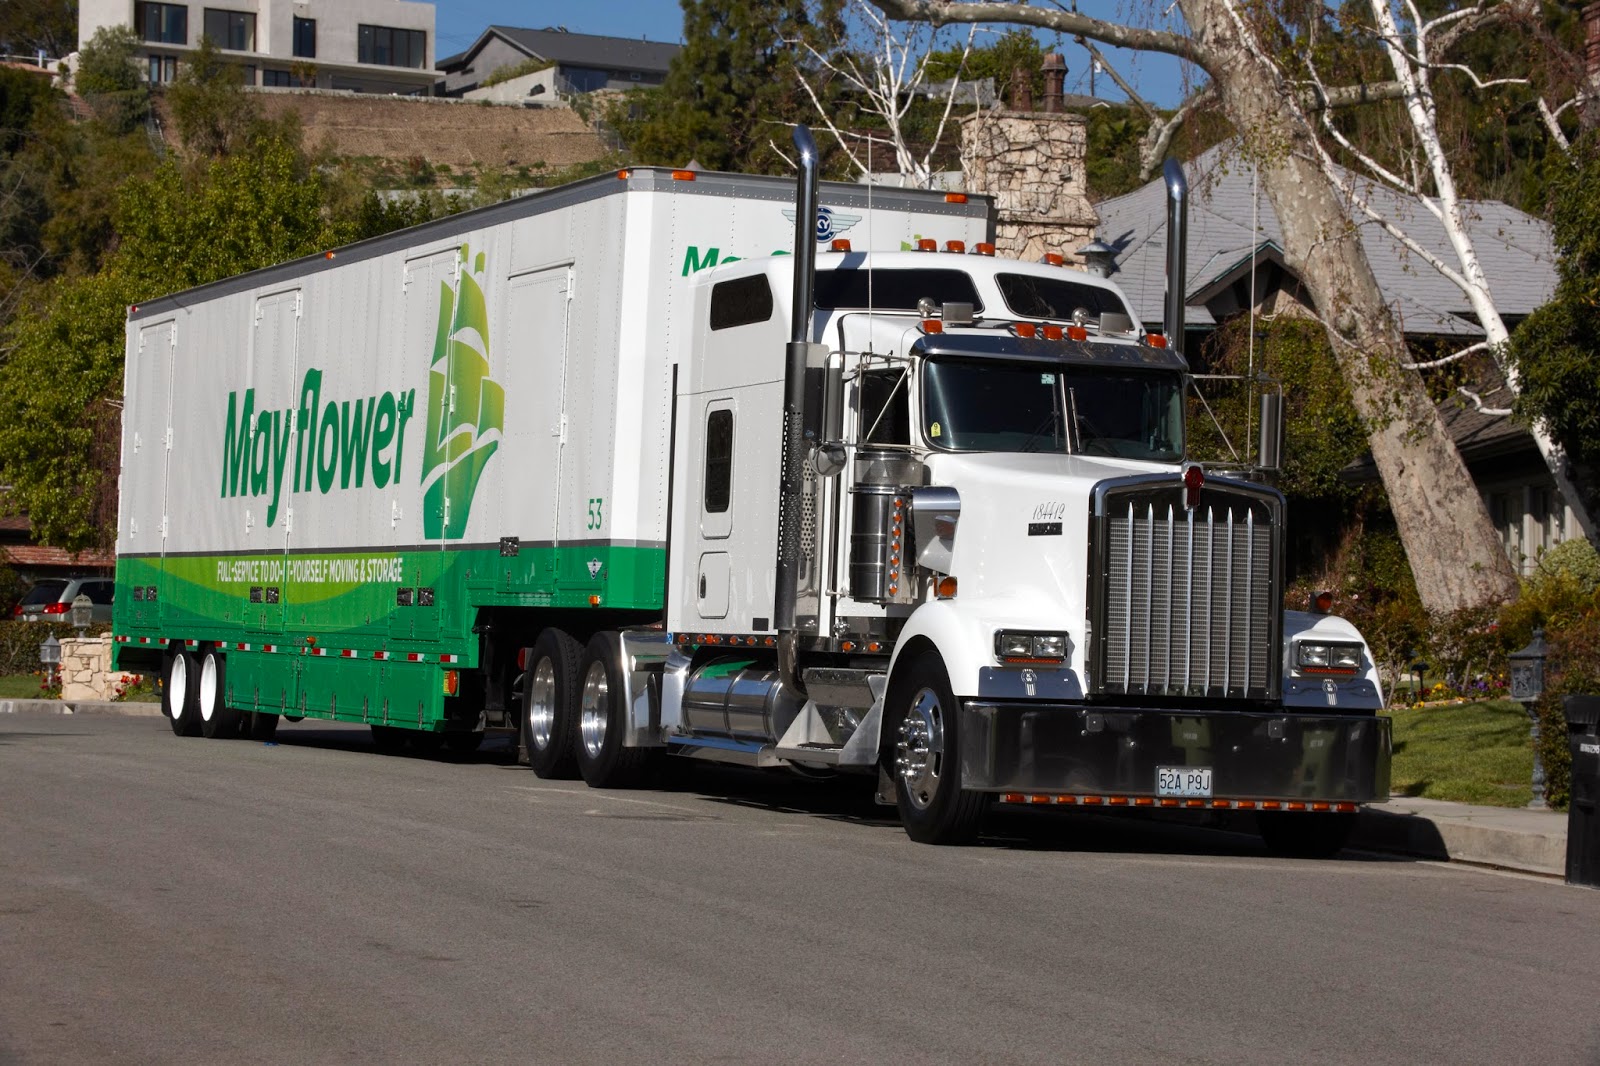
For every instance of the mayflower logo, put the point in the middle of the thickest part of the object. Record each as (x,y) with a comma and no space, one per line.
(466,409)
(830,223)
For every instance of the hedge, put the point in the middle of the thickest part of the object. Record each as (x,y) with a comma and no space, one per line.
(19,643)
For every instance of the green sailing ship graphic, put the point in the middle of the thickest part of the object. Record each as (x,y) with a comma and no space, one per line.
(466,408)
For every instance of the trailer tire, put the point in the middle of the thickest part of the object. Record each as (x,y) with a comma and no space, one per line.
(1305,836)
(550,704)
(179,692)
(218,721)
(924,756)
(262,726)
(603,760)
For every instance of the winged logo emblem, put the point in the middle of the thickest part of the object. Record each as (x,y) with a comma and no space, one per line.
(830,223)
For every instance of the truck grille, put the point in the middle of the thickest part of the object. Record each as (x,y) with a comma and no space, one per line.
(1187,601)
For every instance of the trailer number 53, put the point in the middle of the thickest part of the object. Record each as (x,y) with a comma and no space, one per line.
(596,512)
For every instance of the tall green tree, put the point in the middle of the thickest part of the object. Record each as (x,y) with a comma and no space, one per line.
(730,92)
(28,27)
(109,80)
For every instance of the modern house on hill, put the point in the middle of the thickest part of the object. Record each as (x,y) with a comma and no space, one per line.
(370,46)
(1234,235)
(578,62)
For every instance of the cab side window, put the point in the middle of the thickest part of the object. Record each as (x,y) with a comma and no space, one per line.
(719,460)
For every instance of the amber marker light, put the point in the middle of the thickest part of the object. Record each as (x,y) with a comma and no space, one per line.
(932,325)
(955,197)
(622,175)
(1155,340)
(840,244)
(1054,259)
(594,601)
(946,588)
(955,246)
(683,175)
(1077,333)
(327,255)
(1052,333)
(927,244)
(984,248)
(1026,330)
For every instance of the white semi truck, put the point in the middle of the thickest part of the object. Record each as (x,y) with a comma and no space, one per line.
(609,466)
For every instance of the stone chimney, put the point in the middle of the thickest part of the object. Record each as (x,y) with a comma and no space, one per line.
(1055,80)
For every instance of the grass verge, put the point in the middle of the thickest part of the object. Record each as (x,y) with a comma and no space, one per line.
(20,687)
(1465,752)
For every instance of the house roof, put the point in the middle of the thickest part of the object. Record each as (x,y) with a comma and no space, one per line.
(36,556)
(575,49)
(1227,221)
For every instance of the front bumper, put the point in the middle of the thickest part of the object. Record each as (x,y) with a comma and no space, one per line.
(1072,748)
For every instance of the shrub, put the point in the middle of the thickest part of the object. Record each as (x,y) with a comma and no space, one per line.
(19,643)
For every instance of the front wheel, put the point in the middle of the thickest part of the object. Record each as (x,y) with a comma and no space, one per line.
(925,760)
(603,760)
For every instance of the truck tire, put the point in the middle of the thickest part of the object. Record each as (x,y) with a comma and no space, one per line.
(1305,836)
(924,759)
(602,723)
(217,719)
(550,704)
(179,692)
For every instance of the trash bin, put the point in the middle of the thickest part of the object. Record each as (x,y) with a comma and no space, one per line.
(1583,811)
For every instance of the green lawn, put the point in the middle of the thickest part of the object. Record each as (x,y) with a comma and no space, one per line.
(1468,753)
(19,686)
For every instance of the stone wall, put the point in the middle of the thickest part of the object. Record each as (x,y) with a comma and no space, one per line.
(1032,163)
(86,669)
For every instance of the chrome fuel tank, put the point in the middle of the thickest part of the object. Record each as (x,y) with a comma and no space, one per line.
(740,699)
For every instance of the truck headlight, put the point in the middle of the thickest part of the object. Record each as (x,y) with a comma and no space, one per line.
(1320,658)
(1011,647)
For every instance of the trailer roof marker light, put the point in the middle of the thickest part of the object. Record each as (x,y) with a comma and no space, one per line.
(1077,333)
(959,247)
(955,197)
(983,248)
(683,175)
(623,175)
(327,255)
(840,244)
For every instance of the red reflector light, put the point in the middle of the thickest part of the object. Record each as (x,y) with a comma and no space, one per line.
(955,197)
(683,175)
(1077,333)
(927,244)
(1155,340)
(522,658)
(932,325)
(841,244)
(1053,259)
(1025,329)
(452,682)
(984,248)
(1052,333)
(955,246)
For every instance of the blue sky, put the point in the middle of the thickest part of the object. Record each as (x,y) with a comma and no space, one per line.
(460,21)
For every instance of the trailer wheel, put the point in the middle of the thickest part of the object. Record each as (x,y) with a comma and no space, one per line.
(179,693)
(217,719)
(602,759)
(925,762)
(1305,836)
(262,726)
(550,703)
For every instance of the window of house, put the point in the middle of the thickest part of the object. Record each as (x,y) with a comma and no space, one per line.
(277,79)
(719,460)
(305,38)
(234,30)
(162,23)
(386,46)
(163,69)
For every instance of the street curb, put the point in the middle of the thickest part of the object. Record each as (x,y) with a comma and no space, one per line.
(1464,839)
(126,710)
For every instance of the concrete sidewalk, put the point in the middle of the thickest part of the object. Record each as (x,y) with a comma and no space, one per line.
(1514,838)
(1511,838)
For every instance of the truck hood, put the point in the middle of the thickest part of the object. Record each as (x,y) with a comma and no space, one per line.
(1023,532)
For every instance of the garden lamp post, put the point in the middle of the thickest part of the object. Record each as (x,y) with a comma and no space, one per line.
(82,612)
(1527,685)
(50,657)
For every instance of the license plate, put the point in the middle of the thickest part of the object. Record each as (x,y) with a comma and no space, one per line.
(1183,780)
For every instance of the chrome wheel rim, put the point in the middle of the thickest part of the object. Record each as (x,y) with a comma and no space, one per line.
(208,687)
(178,684)
(541,704)
(595,710)
(919,749)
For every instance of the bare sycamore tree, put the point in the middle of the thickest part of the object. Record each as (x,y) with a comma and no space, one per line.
(1415,50)
(886,68)
(1572,81)
(1455,553)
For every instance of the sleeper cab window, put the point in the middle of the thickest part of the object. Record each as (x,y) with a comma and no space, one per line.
(740,302)
(719,460)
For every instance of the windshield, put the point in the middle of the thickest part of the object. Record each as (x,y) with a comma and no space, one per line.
(44,592)
(1032,296)
(1039,407)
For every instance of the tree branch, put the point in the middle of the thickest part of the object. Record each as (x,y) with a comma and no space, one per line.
(1451,358)
(1478,404)
(1096,56)
(940,12)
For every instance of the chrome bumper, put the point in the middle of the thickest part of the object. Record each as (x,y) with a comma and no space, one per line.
(1073,748)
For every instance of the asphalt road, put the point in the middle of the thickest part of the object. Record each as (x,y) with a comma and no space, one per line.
(167,900)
